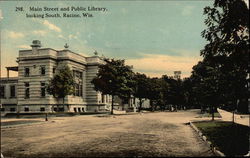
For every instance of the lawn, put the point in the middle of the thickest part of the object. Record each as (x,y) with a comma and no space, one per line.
(231,139)
(11,123)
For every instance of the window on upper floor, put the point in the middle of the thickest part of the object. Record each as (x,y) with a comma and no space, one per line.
(43,89)
(12,91)
(43,70)
(54,70)
(26,72)
(77,74)
(27,90)
(2,91)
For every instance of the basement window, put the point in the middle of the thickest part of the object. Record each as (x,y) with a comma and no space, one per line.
(26,109)
(42,109)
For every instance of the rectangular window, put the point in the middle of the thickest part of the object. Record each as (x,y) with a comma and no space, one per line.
(43,70)
(77,74)
(61,109)
(42,109)
(54,70)
(2,109)
(26,109)
(43,89)
(77,90)
(81,90)
(27,90)
(12,91)
(78,86)
(12,109)
(27,72)
(103,98)
(2,91)
(74,91)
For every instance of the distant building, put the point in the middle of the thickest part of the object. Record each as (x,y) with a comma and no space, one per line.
(27,92)
(130,104)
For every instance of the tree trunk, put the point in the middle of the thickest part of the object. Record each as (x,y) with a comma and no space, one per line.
(233,116)
(63,105)
(234,108)
(201,109)
(140,99)
(151,105)
(212,113)
(123,106)
(57,109)
(112,105)
(52,109)
(155,106)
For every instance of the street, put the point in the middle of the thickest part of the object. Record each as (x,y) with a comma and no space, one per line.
(147,134)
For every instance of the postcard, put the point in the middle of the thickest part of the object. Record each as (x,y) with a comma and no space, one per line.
(124,78)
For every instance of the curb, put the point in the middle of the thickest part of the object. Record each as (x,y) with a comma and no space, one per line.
(204,138)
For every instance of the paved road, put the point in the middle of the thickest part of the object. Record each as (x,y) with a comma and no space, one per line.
(149,134)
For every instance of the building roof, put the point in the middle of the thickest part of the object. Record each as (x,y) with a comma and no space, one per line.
(13,68)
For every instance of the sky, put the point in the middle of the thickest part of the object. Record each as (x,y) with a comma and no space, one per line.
(155,37)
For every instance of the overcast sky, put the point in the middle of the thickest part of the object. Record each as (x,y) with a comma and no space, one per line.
(156,37)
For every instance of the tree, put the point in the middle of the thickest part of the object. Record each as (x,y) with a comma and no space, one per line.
(114,78)
(62,84)
(175,91)
(227,50)
(141,87)
(189,94)
(157,90)
(207,85)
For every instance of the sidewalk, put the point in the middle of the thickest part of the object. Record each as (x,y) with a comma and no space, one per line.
(228,116)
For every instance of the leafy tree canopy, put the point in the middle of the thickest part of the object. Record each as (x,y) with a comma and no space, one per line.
(62,84)
(114,78)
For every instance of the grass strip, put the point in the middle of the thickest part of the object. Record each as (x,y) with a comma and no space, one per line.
(230,138)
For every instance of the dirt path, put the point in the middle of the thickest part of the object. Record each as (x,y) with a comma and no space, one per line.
(150,134)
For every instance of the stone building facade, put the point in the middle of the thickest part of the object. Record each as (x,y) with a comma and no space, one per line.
(27,92)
